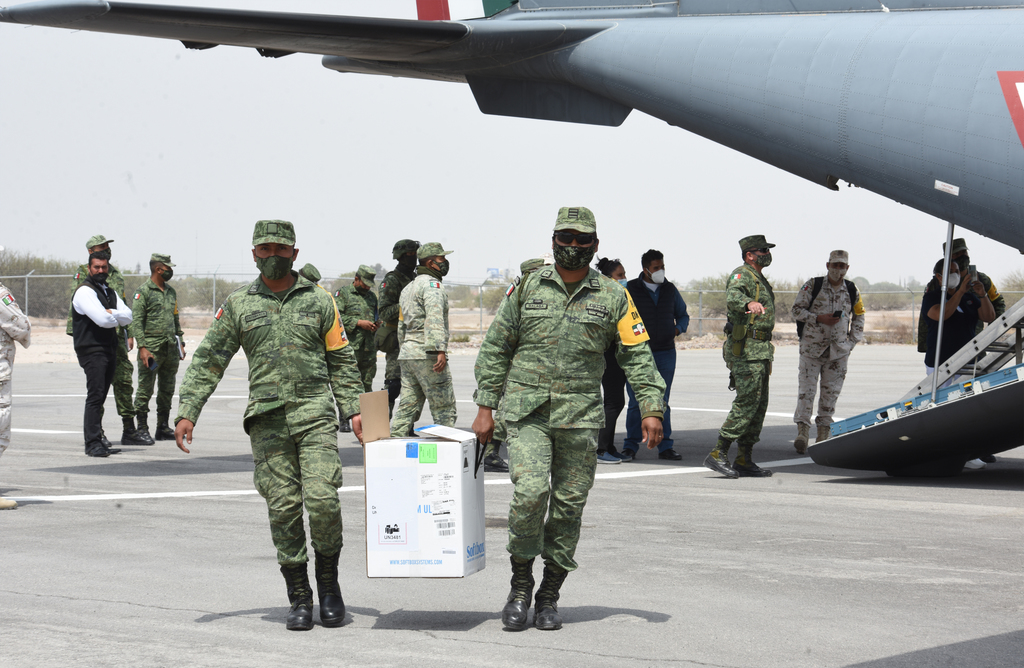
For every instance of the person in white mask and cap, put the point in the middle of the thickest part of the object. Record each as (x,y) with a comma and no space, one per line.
(14,326)
(830,322)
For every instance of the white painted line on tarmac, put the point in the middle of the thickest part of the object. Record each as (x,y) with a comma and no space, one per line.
(359,488)
(44,431)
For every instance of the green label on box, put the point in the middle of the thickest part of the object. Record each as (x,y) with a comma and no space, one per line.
(428,453)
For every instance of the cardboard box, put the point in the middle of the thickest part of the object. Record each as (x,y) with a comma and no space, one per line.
(424,503)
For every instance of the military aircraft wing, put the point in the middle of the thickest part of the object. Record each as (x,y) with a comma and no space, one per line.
(276,34)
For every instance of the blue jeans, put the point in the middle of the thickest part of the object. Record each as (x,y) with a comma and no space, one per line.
(665,360)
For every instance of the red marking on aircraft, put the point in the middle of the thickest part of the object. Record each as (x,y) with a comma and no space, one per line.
(433,10)
(1013,91)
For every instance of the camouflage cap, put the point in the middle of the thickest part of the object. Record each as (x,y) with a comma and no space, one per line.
(431,249)
(96,240)
(160,257)
(273,232)
(839,256)
(754,241)
(578,218)
(958,245)
(366,274)
(404,246)
(531,265)
(310,273)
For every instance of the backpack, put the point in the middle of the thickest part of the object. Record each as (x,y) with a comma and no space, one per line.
(818,282)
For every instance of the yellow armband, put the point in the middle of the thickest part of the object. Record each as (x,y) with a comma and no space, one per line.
(631,326)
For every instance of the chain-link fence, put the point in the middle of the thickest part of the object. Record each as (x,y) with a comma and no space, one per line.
(472,305)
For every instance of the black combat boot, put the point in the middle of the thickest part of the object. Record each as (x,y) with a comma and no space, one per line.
(545,614)
(332,607)
(142,433)
(718,459)
(128,436)
(744,464)
(163,431)
(345,427)
(300,617)
(514,614)
(107,445)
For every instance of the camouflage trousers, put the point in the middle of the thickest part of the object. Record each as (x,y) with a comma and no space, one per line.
(164,376)
(392,369)
(500,436)
(832,374)
(745,419)
(421,383)
(5,415)
(294,465)
(553,471)
(122,384)
(367,370)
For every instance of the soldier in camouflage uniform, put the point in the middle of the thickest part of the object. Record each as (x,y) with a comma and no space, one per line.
(963,261)
(310,273)
(493,463)
(750,303)
(423,334)
(300,364)
(157,332)
(358,307)
(14,326)
(825,344)
(122,384)
(541,362)
(386,336)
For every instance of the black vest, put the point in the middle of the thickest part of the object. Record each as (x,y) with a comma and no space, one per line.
(87,334)
(659,319)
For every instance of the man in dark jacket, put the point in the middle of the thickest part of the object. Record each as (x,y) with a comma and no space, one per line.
(664,314)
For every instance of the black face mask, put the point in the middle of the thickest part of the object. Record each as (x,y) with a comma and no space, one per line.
(573,258)
(166,274)
(101,277)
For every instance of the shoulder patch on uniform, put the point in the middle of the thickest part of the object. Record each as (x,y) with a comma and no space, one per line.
(383,284)
(511,288)
(737,276)
(435,284)
(8,300)
(220,312)
(138,295)
(639,329)
(254,288)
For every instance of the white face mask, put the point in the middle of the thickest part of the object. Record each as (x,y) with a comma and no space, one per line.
(658,276)
(836,275)
(954,281)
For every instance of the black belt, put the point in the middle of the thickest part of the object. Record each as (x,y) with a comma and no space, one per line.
(759,336)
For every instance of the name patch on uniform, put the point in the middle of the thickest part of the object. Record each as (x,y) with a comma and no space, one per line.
(8,300)
(534,304)
(255,316)
(597,310)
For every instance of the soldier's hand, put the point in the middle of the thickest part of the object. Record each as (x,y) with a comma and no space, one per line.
(652,431)
(183,433)
(827,319)
(757,308)
(365,324)
(442,360)
(483,425)
(145,355)
(131,343)
(357,426)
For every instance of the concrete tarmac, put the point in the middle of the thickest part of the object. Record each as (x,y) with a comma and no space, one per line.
(158,558)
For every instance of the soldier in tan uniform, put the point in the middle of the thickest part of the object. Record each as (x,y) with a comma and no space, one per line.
(14,326)
(826,340)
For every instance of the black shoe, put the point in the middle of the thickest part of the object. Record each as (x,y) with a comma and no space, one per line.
(670,454)
(988,459)
(722,467)
(300,615)
(495,464)
(142,435)
(626,455)
(98,451)
(345,427)
(104,441)
(545,614)
(113,451)
(517,606)
(751,470)
(132,438)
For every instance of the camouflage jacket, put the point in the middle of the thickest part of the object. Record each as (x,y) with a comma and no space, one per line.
(390,291)
(423,319)
(14,326)
(154,315)
(745,285)
(297,351)
(840,338)
(355,305)
(550,346)
(115,281)
(998,303)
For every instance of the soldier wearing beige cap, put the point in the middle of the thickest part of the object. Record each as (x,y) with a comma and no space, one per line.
(830,322)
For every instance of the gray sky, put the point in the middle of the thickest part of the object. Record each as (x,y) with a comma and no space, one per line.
(177,151)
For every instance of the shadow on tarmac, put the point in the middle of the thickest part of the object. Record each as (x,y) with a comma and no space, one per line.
(995,650)
(163,467)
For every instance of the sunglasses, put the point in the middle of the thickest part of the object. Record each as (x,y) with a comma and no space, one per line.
(566,238)
(763,251)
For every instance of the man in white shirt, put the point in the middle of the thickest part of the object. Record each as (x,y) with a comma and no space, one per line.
(96,313)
